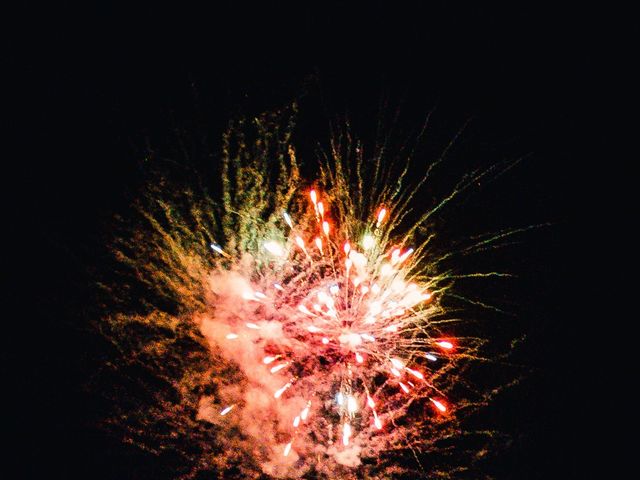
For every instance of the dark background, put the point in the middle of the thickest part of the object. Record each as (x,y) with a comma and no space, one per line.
(99,87)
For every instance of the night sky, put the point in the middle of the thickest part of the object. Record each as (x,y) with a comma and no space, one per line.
(101,87)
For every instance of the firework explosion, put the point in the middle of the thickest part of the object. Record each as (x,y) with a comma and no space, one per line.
(297,329)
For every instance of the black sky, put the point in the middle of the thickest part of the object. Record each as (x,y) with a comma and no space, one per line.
(100,84)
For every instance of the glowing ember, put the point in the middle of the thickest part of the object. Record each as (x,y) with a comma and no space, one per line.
(444,344)
(439,405)
(226,410)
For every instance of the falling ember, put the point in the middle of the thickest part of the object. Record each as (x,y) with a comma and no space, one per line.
(444,344)
(277,368)
(377,422)
(325,228)
(430,356)
(287,449)
(397,363)
(216,248)
(232,336)
(305,412)
(346,434)
(296,421)
(287,219)
(279,392)
(415,373)
(226,410)
(381,215)
(405,255)
(438,405)
(268,360)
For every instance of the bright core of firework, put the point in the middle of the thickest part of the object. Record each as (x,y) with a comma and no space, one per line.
(354,306)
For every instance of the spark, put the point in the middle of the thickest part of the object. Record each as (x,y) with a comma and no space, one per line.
(346,434)
(377,421)
(277,368)
(226,410)
(280,391)
(397,363)
(274,248)
(415,373)
(438,405)
(287,219)
(305,412)
(445,344)
(216,248)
